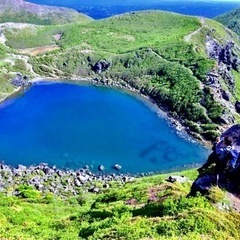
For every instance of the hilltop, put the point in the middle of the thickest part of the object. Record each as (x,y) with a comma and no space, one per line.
(230,20)
(26,12)
(187,65)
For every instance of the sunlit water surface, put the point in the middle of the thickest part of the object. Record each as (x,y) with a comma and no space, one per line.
(70,126)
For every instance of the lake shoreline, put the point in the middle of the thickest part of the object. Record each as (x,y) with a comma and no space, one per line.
(63,182)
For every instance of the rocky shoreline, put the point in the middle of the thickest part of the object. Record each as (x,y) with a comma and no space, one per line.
(50,179)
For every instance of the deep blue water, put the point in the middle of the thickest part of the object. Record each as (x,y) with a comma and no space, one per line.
(102,9)
(71,125)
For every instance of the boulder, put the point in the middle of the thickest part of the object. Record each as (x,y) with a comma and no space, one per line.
(117,167)
(179,179)
(101,168)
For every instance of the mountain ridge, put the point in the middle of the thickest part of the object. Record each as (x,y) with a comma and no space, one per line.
(231,20)
(19,10)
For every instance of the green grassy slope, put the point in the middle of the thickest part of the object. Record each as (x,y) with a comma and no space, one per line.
(231,20)
(148,208)
(163,55)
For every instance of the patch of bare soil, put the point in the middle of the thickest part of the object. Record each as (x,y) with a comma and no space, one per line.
(38,50)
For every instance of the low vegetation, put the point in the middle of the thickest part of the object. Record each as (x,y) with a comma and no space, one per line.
(149,208)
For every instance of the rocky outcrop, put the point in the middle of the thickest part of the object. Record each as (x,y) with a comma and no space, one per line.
(100,66)
(222,167)
(20,81)
(220,79)
(222,53)
(226,59)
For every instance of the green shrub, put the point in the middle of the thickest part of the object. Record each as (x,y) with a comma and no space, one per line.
(28,192)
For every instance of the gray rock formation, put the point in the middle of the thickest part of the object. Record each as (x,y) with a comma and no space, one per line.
(20,81)
(226,58)
(100,66)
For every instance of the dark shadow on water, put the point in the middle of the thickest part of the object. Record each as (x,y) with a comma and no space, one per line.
(151,148)
(153,160)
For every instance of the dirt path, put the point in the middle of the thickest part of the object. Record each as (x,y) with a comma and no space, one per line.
(189,36)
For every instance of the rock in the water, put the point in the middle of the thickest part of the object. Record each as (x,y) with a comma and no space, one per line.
(117,167)
(101,168)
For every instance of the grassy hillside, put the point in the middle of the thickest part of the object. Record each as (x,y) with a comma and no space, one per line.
(231,20)
(149,208)
(160,54)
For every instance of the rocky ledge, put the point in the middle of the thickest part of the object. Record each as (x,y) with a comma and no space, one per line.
(49,179)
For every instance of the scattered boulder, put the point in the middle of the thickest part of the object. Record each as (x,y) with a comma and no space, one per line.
(212,78)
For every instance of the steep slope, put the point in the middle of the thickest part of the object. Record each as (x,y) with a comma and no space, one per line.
(25,12)
(187,65)
(231,20)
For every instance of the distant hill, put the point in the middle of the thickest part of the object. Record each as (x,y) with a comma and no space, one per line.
(25,12)
(231,20)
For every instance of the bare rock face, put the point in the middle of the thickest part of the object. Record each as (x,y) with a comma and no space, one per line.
(227,61)
(222,53)
(20,81)
(234,133)
(226,58)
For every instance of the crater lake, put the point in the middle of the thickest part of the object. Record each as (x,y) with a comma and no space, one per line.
(73,125)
